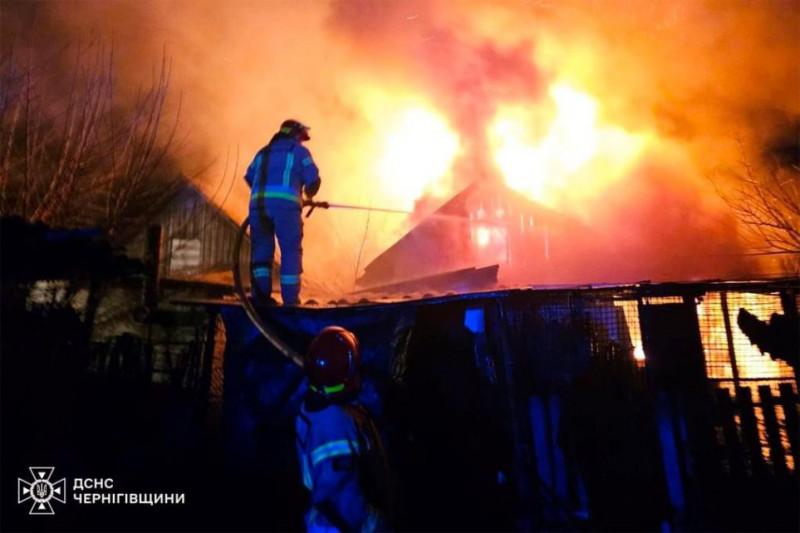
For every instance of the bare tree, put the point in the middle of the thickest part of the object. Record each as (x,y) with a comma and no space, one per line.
(73,152)
(765,198)
(138,170)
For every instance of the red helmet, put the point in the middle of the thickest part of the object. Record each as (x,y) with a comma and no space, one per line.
(295,129)
(332,362)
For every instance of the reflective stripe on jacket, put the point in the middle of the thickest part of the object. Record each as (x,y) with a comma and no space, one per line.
(279,171)
(330,446)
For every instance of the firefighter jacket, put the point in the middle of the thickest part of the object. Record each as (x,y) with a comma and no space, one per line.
(278,174)
(344,468)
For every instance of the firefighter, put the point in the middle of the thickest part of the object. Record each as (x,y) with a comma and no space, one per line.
(341,455)
(279,175)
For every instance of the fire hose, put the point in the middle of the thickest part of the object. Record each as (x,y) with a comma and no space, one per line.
(252,314)
(251,311)
(330,205)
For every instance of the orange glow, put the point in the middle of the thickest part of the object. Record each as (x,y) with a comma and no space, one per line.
(482,236)
(638,352)
(751,363)
(416,152)
(573,139)
(576,157)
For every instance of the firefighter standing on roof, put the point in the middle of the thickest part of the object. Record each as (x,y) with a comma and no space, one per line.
(279,175)
(343,463)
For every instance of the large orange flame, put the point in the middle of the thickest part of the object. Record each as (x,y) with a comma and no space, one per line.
(576,156)
(573,157)
(418,151)
(413,148)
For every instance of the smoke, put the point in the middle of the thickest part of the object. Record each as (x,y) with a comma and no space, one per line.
(699,78)
(702,79)
(465,76)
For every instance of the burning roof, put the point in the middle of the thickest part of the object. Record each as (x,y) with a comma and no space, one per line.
(485,224)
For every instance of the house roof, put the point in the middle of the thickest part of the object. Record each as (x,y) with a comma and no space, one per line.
(439,243)
(376,300)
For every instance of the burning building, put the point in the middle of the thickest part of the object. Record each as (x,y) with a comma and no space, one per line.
(485,225)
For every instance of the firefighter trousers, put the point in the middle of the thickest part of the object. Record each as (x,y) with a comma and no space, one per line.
(285,224)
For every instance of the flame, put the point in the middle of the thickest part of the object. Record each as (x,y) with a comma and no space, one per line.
(573,138)
(574,158)
(482,236)
(416,151)
(638,352)
(750,361)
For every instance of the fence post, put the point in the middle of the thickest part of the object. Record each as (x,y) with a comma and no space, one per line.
(208,357)
(776,453)
(733,449)
(789,402)
(152,261)
(726,317)
(744,398)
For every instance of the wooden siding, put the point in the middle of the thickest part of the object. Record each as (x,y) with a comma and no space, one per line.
(191,216)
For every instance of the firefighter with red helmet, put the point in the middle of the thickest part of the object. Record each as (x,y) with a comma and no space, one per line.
(341,456)
(279,175)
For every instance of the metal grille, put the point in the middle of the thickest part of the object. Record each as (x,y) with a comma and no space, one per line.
(731,358)
(567,334)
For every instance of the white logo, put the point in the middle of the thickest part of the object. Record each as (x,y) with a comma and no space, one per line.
(41,490)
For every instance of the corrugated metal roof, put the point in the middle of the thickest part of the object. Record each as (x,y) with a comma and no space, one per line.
(365,300)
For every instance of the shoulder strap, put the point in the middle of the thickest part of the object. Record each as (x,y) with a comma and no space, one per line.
(262,175)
